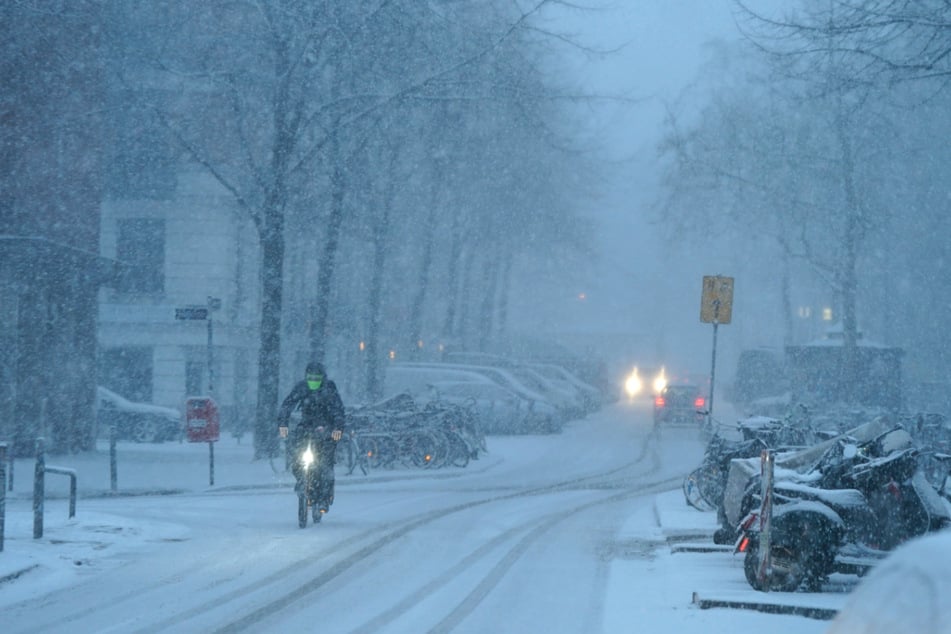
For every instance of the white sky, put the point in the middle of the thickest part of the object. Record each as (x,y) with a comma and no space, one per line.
(643,289)
(640,289)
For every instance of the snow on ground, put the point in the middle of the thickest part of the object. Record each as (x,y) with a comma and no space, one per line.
(906,593)
(653,577)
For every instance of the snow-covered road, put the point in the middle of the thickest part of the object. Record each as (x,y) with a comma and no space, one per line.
(524,540)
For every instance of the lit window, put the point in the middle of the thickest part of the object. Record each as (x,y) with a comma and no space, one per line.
(805,312)
(826,314)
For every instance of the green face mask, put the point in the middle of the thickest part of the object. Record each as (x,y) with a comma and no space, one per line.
(314,381)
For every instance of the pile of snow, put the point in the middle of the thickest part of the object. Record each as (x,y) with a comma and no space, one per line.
(908,592)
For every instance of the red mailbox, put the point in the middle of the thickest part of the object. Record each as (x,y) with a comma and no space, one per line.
(201,419)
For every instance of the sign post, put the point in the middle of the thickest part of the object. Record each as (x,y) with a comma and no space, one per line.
(764,570)
(202,414)
(203,313)
(716,307)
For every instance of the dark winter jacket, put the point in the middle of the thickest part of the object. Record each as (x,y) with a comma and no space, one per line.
(318,407)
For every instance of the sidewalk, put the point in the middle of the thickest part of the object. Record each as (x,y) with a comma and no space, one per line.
(142,469)
(719,581)
(150,469)
(169,468)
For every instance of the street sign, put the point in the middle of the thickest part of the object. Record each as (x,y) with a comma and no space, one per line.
(716,302)
(192,313)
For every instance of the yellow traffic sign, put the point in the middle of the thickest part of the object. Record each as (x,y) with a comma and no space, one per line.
(716,302)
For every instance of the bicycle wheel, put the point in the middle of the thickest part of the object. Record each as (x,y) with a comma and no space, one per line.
(359,456)
(692,494)
(418,449)
(440,448)
(459,449)
(302,510)
(345,455)
(710,482)
(381,450)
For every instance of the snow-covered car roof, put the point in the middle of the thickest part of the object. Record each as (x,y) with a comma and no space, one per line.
(500,375)
(123,404)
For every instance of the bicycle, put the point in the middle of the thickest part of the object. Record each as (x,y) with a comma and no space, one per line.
(351,454)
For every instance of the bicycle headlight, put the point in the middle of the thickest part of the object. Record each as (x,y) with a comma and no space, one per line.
(307,458)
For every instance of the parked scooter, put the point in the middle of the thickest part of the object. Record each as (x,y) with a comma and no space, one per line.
(860,503)
(703,487)
(312,465)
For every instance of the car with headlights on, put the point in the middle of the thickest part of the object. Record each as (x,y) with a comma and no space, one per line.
(680,403)
(645,382)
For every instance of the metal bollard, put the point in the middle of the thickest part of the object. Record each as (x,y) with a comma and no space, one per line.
(39,488)
(72,485)
(39,492)
(3,489)
(113,465)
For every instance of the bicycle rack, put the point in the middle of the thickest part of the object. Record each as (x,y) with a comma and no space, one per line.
(39,487)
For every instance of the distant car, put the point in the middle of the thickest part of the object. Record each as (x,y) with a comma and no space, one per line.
(645,382)
(590,396)
(498,410)
(559,393)
(679,403)
(140,422)
(500,376)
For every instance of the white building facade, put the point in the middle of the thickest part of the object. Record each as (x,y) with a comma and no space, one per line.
(178,253)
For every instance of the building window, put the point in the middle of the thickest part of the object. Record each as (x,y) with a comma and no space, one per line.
(194,378)
(140,154)
(127,371)
(140,249)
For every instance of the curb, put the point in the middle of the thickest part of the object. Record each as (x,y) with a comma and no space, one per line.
(699,548)
(822,614)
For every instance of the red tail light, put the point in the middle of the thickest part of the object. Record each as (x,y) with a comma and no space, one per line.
(698,402)
(658,401)
(741,547)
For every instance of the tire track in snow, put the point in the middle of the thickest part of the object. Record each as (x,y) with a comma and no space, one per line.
(262,613)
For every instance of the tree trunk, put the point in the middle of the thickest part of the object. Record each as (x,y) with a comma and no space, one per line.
(487,308)
(271,233)
(269,355)
(503,297)
(465,312)
(328,259)
(452,292)
(849,261)
(374,379)
(415,333)
(786,290)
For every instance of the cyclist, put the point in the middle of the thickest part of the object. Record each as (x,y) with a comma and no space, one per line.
(322,411)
